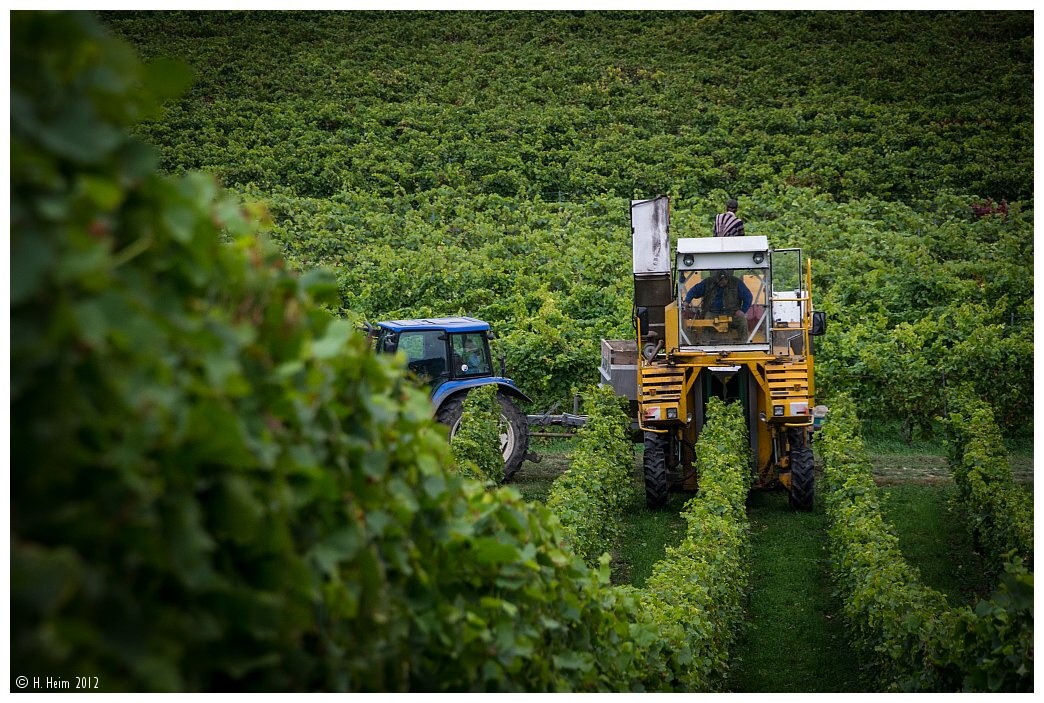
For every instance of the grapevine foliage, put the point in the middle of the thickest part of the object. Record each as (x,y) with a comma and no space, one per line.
(912,637)
(695,595)
(482,163)
(683,624)
(589,497)
(476,444)
(195,482)
(1000,513)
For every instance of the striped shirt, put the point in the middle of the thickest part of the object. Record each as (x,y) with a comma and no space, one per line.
(728,225)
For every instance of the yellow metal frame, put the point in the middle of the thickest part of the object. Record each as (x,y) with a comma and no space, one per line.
(781,379)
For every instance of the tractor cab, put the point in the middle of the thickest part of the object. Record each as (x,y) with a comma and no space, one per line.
(451,355)
(439,350)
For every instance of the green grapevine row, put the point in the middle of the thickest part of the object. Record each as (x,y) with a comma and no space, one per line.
(1000,513)
(695,594)
(590,495)
(690,611)
(912,636)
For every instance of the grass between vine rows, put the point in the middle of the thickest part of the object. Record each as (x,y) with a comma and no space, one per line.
(934,539)
(795,637)
(795,641)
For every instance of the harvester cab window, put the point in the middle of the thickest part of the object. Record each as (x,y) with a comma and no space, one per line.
(425,353)
(470,355)
(723,307)
(789,302)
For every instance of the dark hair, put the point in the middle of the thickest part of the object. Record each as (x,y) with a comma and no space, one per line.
(731,204)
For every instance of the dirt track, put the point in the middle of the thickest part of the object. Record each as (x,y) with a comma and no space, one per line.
(535,479)
(895,468)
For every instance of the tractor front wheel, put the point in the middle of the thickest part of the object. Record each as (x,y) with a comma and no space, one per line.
(655,464)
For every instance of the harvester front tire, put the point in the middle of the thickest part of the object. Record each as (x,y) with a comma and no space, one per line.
(802,479)
(655,465)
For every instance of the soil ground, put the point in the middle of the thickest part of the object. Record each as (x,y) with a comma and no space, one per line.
(929,469)
(534,479)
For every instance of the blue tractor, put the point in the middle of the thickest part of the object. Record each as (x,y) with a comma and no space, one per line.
(451,354)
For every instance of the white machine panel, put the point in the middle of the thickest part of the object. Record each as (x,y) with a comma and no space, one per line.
(723,252)
(714,245)
(786,305)
(650,224)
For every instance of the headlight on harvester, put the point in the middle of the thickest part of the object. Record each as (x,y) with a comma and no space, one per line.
(672,413)
(777,411)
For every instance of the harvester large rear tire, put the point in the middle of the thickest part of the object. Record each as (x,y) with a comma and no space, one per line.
(655,465)
(802,479)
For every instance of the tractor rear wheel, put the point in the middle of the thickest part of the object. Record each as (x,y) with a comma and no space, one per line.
(802,478)
(655,464)
(514,441)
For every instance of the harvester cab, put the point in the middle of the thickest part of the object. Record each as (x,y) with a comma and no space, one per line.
(725,317)
(452,355)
